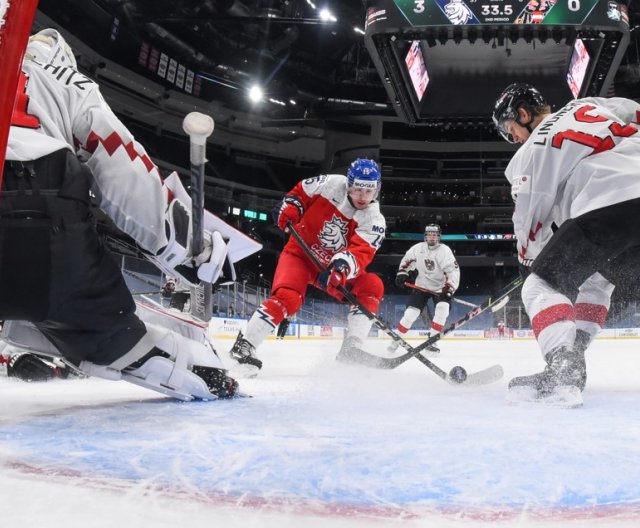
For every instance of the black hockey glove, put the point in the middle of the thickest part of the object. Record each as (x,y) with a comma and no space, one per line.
(448,290)
(401,278)
(29,367)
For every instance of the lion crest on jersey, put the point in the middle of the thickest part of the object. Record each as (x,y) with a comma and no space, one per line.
(429,264)
(458,12)
(334,234)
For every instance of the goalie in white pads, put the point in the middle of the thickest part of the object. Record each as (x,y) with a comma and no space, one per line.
(577,169)
(431,271)
(64,142)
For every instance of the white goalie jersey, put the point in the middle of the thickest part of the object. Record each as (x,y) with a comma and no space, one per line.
(126,181)
(435,266)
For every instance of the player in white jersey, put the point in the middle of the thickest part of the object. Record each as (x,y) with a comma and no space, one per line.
(431,269)
(63,143)
(339,219)
(575,171)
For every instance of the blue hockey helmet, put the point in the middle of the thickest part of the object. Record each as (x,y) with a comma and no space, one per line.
(364,174)
(514,97)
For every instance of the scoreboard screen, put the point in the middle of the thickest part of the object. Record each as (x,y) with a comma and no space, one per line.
(474,12)
(444,59)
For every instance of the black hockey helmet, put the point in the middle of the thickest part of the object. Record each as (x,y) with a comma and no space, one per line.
(514,97)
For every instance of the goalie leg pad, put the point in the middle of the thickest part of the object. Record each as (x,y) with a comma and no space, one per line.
(167,362)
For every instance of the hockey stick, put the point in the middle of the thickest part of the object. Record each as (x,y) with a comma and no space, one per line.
(198,127)
(493,304)
(456,375)
(454,299)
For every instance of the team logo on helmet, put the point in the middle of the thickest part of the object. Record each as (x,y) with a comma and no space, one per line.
(334,234)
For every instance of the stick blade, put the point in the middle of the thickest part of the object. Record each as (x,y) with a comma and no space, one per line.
(485,376)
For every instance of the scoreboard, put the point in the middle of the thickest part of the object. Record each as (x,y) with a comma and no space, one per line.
(474,12)
(440,59)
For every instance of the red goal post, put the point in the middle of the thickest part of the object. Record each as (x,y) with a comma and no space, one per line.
(16,19)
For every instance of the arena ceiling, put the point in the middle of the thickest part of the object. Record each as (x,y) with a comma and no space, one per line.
(312,66)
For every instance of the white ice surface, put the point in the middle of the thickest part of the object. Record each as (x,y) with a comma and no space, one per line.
(326,444)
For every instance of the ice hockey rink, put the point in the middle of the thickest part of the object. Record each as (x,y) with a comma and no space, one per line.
(326,444)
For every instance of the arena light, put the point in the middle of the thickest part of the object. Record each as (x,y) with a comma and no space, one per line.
(255,94)
(327,16)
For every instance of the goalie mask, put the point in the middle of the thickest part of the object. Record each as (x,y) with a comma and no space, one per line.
(514,97)
(432,235)
(49,47)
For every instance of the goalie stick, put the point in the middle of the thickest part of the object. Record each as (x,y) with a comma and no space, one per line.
(198,127)
(456,376)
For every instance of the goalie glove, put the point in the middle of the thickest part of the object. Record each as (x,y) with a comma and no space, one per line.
(176,258)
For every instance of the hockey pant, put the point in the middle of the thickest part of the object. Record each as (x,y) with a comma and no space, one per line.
(417,303)
(293,275)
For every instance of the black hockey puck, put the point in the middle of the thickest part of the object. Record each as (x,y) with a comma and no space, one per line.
(458,374)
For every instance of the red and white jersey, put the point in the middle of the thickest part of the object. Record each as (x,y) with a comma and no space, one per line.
(581,158)
(58,107)
(330,225)
(435,266)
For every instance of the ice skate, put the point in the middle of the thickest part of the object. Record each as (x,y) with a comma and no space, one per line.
(244,353)
(217,381)
(349,350)
(392,349)
(431,351)
(559,384)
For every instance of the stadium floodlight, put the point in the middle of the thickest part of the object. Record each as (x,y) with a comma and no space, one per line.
(256,94)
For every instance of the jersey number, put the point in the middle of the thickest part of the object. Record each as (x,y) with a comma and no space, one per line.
(20,117)
(598,144)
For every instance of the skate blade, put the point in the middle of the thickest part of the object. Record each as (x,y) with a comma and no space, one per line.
(562,397)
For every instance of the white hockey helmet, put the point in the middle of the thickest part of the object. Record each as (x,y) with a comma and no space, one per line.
(49,47)
(432,229)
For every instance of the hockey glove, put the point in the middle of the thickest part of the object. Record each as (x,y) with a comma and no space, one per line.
(29,367)
(401,278)
(448,290)
(289,210)
(334,277)
(176,258)
(524,267)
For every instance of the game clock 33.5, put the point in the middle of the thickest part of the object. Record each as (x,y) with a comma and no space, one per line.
(470,12)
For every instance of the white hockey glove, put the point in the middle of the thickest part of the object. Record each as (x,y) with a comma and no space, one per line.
(176,259)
